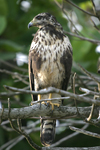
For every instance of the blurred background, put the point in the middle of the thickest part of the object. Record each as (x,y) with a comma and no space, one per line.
(15,40)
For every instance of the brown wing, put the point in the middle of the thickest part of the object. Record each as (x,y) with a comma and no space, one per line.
(66,60)
(31,77)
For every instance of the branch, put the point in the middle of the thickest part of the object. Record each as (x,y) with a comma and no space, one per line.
(89,74)
(88,91)
(96,9)
(16,75)
(88,13)
(3,94)
(68,18)
(14,141)
(85,132)
(72,148)
(36,110)
(83,38)
(13,66)
(68,137)
(76,35)
(55,90)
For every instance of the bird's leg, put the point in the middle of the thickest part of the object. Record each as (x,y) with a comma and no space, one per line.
(51,103)
(39,97)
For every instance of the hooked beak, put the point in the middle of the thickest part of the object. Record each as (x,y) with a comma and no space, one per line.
(32,23)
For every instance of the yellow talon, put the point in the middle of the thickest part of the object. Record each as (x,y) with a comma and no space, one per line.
(31,103)
(49,102)
(43,103)
(52,104)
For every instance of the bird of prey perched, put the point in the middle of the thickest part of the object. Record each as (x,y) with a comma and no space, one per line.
(50,62)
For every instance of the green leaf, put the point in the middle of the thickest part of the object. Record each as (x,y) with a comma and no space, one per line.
(3,24)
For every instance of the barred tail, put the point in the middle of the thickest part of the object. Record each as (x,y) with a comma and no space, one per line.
(47,131)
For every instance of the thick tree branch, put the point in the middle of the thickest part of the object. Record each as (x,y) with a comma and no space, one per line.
(72,148)
(36,110)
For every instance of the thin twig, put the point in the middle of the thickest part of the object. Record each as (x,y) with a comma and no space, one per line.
(13,142)
(29,140)
(89,91)
(96,11)
(55,90)
(65,12)
(13,66)
(89,74)
(7,128)
(88,13)
(52,99)
(85,132)
(8,143)
(3,94)
(16,74)
(95,26)
(68,137)
(83,38)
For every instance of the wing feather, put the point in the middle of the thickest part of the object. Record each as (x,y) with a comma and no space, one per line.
(31,77)
(66,60)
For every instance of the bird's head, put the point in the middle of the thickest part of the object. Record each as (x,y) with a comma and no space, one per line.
(43,19)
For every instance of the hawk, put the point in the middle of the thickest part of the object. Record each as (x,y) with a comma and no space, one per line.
(50,62)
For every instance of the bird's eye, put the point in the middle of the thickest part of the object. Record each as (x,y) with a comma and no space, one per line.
(38,17)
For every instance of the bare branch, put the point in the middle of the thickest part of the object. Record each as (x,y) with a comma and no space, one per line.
(89,74)
(88,13)
(36,110)
(85,132)
(13,142)
(3,94)
(89,91)
(13,66)
(76,35)
(67,137)
(83,38)
(96,9)
(16,75)
(55,90)
(72,148)
(95,25)
(69,19)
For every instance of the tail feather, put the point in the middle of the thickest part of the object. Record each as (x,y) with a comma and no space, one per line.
(47,132)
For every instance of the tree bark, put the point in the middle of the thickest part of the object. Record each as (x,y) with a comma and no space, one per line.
(38,110)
